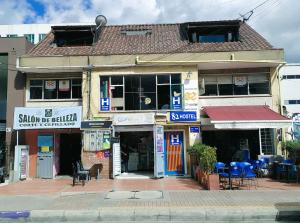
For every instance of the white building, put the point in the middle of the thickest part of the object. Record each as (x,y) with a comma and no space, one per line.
(33,32)
(290,83)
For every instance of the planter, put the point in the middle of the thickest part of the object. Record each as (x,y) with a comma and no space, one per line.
(213,182)
(208,181)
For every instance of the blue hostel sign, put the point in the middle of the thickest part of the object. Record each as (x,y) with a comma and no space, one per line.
(183,116)
(104,104)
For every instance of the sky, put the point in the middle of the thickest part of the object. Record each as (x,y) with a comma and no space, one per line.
(276,20)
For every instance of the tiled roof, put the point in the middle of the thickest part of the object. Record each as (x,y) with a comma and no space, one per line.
(164,38)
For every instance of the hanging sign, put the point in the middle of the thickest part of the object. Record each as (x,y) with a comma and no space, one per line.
(95,124)
(176,102)
(183,116)
(104,104)
(47,118)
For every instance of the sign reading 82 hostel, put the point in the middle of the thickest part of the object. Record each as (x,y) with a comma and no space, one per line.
(47,118)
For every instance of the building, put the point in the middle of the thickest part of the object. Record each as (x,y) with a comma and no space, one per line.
(11,90)
(290,80)
(34,33)
(150,91)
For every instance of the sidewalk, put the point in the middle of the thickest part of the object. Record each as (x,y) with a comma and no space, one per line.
(180,203)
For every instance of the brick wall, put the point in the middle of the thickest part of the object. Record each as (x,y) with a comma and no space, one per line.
(91,161)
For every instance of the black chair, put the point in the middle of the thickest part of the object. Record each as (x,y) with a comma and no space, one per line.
(78,175)
(82,169)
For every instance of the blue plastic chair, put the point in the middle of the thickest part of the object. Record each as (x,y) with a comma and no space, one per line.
(220,169)
(250,175)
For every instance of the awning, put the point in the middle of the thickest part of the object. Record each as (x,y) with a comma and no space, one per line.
(245,117)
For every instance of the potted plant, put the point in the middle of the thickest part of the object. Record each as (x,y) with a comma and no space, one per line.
(293,149)
(206,157)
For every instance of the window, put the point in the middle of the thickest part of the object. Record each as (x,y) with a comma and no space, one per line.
(42,36)
(211,38)
(245,84)
(292,102)
(140,92)
(212,32)
(65,36)
(291,77)
(267,141)
(11,35)
(55,89)
(29,37)
(36,89)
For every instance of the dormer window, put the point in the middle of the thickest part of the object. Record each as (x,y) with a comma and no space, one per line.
(65,36)
(213,32)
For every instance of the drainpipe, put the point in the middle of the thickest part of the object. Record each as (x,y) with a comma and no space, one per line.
(89,77)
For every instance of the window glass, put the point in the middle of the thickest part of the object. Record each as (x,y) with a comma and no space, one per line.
(36,92)
(259,88)
(42,36)
(148,83)
(64,89)
(50,89)
(132,101)
(117,101)
(163,79)
(116,80)
(211,38)
(132,83)
(104,87)
(175,79)
(163,99)
(148,101)
(76,88)
(240,85)
(211,90)
(225,85)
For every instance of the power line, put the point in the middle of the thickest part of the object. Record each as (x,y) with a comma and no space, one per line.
(246,16)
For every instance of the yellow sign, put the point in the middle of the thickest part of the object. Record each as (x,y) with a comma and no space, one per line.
(45,149)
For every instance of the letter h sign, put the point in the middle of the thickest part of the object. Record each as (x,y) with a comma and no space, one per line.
(175,140)
(104,104)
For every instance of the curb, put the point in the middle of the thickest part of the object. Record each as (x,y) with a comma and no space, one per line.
(154,214)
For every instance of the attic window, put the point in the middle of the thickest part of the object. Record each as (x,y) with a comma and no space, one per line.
(136,32)
(65,36)
(213,32)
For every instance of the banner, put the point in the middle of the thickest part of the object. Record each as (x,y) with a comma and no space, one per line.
(64,85)
(47,118)
(50,85)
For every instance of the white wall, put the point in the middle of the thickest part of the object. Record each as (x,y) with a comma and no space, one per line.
(290,88)
(235,100)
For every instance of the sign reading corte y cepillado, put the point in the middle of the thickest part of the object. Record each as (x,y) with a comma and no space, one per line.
(47,118)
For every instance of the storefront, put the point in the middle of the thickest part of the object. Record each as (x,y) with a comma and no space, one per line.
(53,136)
(242,133)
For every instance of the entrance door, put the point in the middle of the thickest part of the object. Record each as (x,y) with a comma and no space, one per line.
(70,151)
(174,157)
(45,156)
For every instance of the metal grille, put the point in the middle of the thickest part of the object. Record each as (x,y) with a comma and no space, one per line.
(267,141)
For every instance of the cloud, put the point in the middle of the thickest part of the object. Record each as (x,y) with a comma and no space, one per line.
(276,20)
(15,12)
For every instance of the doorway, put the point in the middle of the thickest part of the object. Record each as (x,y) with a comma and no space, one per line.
(137,152)
(174,153)
(70,151)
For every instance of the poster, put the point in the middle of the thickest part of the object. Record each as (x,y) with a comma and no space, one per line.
(96,140)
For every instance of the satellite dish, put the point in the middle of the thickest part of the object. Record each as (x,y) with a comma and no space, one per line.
(100,20)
